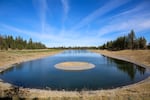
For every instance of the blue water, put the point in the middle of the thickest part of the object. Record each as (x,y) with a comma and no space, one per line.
(41,73)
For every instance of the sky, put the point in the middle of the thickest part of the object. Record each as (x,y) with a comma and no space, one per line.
(74,22)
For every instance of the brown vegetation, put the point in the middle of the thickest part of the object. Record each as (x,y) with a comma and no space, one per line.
(74,66)
(138,56)
(7,58)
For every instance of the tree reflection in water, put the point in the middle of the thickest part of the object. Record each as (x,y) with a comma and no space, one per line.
(127,67)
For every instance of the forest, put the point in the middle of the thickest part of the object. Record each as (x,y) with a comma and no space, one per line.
(126,42)
(9,42)
(129,41)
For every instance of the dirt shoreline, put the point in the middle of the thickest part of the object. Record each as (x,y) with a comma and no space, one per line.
(137,91)
(132,56)
(8,58)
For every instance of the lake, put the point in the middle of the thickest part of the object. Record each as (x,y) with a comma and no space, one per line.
(41,73)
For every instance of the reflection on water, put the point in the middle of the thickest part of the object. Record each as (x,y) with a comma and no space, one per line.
(127,67)
(41,73)
(73,53)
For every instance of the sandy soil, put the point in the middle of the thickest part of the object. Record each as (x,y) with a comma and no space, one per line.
(138,91)
(74,66)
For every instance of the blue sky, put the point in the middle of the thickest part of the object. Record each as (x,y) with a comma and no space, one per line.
(74,22)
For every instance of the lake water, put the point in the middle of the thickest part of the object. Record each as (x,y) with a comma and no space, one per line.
(107,73)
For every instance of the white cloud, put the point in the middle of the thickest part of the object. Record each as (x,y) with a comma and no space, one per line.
(137,11)
(124,26)
(53,39)
(137,18)
(42,7)
(21,31)
(43,14)
(65,6)
(111,5)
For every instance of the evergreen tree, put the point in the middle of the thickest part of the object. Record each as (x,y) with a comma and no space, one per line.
(7,42)
(148,46)
(1,41)
(126,42)
(4,44)
(136,44)
(142,43)
(109,45)
(131,39)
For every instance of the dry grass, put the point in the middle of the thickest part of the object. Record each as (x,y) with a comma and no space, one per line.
(138,91)
(7,58)
(139,56)
(74,66)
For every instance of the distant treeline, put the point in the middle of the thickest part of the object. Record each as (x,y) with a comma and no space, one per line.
(9,42)
(129,41)
(75,47)
(126,42)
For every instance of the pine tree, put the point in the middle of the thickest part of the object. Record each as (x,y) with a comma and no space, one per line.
(8,42)
(148,46)
(131,38)
(1,42)
(142,43)
(126,42)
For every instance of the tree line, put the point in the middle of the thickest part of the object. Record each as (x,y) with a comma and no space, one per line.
(9,42)
(75,47)
(126,42)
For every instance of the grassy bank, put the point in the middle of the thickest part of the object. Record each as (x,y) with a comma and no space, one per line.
(9,57)
(140,56)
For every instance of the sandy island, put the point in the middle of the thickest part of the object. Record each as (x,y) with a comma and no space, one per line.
(137,91)
(75,66)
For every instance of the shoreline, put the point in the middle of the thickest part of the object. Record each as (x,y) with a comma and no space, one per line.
(127,60)
(114,55)
(26,59)
(119,92)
